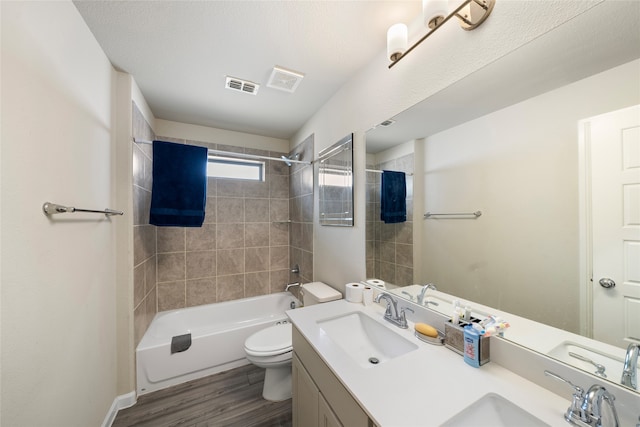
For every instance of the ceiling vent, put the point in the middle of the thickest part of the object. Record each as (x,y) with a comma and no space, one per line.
(243,86)
(283,79)
(388,122)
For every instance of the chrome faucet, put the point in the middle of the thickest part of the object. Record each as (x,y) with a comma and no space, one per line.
(291,285)
(391,313)
(424,290)
(630,369)
(586,409)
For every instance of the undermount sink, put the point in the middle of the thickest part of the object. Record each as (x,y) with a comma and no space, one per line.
(365,340)
(493,410)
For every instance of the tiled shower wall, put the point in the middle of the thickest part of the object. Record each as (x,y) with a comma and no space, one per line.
(144,235)
(389,249)
(301,209)
(241,250)
(253,234)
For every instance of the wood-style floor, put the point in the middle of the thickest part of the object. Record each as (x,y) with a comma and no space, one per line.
(232,398)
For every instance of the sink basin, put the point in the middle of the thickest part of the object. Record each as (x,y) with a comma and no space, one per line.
(493,410)
(613,364)
(365,340)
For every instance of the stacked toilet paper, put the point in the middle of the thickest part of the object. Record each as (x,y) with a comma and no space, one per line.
(359,293)
(354,292)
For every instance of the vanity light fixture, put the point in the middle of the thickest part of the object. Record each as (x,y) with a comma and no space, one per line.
(471,14)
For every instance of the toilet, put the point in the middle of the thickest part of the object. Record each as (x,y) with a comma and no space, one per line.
(271,348)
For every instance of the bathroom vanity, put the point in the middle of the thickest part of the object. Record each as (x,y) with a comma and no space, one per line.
(352,368)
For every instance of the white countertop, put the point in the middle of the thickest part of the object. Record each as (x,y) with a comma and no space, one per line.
(424,387)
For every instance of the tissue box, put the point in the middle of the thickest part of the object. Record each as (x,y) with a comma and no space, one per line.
(454,339)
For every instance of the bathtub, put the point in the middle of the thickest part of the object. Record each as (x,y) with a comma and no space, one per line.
(218,332)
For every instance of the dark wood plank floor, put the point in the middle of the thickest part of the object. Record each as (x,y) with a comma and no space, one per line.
(232,398)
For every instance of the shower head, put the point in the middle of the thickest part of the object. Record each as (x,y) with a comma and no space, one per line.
(287,160)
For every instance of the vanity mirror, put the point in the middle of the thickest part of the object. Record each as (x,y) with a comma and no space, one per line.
(506,141)
(335,183)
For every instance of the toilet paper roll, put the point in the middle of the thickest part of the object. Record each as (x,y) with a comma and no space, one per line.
(354,292)
(367,295)
(376,283)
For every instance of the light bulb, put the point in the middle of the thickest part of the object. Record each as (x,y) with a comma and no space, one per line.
(397,41)
(434,12)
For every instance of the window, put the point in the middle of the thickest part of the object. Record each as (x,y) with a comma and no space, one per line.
(225,167)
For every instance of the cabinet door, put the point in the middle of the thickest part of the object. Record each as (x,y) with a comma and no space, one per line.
(326,417)
(305,397)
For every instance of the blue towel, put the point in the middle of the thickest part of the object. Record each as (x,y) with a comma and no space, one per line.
(179,191)
(393,197)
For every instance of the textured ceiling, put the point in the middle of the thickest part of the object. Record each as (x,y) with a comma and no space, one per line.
(179,53)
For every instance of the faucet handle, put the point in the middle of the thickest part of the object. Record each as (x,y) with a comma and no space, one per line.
(575,411)
(402,318)
(577,389)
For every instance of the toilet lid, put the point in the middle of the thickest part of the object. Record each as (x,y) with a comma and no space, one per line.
(270,341)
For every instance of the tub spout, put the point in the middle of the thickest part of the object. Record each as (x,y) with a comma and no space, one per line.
(291,285)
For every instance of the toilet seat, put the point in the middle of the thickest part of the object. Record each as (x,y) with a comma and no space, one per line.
(270,341)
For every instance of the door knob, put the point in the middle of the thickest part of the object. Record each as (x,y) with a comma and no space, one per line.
(605,282)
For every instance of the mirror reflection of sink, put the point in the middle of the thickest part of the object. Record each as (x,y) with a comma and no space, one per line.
(365,340)
(493,410)
(613,365)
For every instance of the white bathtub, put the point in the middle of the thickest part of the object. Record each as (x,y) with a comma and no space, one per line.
(218,332)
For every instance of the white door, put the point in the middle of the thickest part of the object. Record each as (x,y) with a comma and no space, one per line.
(614,143)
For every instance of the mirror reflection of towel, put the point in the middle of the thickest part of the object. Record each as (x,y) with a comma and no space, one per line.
(179,189)
(393,197)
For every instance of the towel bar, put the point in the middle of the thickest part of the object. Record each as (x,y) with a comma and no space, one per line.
(51,208)
(475,214)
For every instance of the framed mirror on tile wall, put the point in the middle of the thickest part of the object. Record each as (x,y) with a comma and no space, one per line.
(335,181)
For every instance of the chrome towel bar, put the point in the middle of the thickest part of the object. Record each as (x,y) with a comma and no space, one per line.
(51,208)
(475,214)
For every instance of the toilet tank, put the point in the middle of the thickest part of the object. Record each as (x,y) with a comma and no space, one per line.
(318,292)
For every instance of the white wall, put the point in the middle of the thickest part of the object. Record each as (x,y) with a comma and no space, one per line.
(219,136)
(58,280)
(377,93)
(519,166)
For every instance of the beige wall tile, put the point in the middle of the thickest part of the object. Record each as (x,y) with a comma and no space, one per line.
(257,284)
(279,257)
(230,261)
(256,210)
(230,236)
(201,291)
(279,187)
(171,267)
(278,280)
(256,259)
(171,295)
(201,264)
(230,287)
(278,234)
(171,239)
(201,238)
(256,234)
(230,210)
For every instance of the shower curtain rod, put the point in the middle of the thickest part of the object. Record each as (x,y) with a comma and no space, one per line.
(379,171)
(241,155)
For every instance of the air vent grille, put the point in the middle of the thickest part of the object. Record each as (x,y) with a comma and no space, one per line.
(387,123)
(283,79)
(243,86)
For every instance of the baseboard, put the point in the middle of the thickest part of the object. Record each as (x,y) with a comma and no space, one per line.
(120,402)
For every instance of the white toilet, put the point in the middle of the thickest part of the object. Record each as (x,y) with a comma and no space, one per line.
(271,347)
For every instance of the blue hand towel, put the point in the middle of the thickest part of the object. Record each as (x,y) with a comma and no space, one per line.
(393,197)
(179,191)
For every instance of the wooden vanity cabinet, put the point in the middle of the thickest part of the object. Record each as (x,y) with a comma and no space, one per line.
(319,399)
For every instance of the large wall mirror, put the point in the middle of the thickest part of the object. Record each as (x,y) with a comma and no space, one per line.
(505,141)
